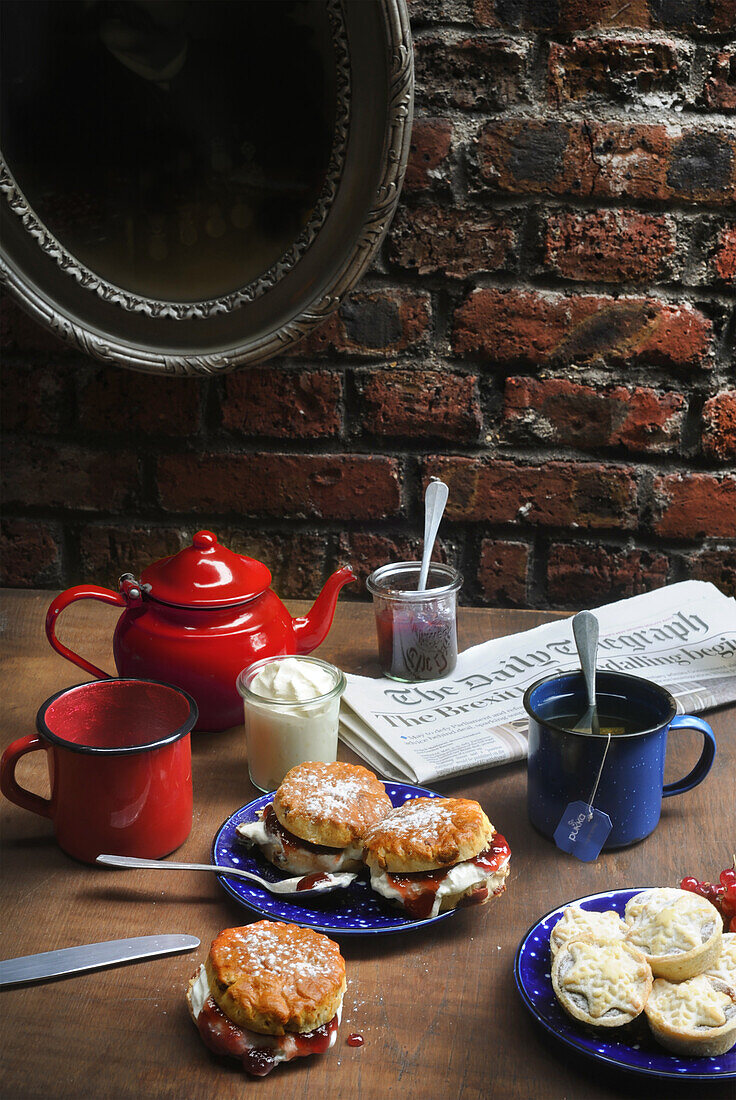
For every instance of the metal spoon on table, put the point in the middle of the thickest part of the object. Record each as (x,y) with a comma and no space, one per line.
(585,632)
(286,886)
(435,500)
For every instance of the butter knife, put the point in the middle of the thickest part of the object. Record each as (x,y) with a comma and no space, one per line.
(90,956)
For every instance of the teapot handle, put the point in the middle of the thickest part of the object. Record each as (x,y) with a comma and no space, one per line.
(79,592)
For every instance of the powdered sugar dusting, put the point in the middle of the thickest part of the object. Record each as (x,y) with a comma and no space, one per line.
(422,819)
(328,796)
(269,952)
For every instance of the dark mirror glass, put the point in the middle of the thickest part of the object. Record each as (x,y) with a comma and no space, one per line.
(175,147)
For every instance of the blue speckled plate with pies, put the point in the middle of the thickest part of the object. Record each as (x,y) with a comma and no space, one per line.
(532,974)
(358,910)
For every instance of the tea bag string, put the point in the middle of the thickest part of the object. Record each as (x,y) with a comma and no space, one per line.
(598,777)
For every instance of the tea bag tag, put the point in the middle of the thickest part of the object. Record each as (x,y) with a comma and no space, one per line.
(582,831)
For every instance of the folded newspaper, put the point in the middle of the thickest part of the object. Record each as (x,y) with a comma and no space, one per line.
(682,637)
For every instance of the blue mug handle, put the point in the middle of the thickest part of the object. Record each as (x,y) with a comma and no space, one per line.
(707,756)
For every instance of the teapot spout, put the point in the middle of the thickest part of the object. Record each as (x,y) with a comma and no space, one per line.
(311,629)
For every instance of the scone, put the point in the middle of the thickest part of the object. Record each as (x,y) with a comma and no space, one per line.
(267,993)
(692,1017)
(679,932)
(601,983)
(585,924)
(318,818)
(432,854)
(723,971)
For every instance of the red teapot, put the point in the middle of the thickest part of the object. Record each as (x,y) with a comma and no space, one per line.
(196,618)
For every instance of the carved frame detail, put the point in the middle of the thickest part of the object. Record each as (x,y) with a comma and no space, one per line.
(112,350)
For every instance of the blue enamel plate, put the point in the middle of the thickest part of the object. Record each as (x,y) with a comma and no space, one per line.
(358,910)
(532,974)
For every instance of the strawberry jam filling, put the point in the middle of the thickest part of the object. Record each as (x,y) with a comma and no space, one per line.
(290,842)
(222,1036)
(418,889)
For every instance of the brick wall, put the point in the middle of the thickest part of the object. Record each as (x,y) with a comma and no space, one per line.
(550,328)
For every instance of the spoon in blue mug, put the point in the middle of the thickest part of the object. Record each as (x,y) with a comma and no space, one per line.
(585,632)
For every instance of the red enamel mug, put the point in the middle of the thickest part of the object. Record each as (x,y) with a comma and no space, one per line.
(120,765)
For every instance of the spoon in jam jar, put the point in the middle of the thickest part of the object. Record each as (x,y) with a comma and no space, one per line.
(435,500)
(303,886)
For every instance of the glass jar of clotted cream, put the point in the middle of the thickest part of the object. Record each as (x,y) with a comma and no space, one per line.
(292,708)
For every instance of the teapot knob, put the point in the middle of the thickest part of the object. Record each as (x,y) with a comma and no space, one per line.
(131,588)
(203,540)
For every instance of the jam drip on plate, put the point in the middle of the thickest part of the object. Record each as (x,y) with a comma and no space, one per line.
(290,842)
(418,889)
(222,1036)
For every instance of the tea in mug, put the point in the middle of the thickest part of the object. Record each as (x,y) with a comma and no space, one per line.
(609,724)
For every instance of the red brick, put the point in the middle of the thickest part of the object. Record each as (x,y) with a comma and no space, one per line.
(476,73)
(608,160)
(70,477)
(723,261)
(688,16)
(366,551)
(555,494)
(371,323)
(580,574)
(503,571)
(266,401)
(115,400)
(628,70)
(691,506)
(36,398)
(329,486)
(719,426)
(716,566)
(429,161)
(541,328)
(451,241)
(30,554)
(566,15)
(613,246)
(108,550)
(719,90)
(557,411)
(422,404)
(693,16)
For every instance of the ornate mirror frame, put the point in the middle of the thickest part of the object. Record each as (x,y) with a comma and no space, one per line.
(374,81)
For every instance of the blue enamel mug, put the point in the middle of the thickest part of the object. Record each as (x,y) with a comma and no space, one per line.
(563,766)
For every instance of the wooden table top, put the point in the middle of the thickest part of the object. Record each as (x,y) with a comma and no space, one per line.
(437,1007)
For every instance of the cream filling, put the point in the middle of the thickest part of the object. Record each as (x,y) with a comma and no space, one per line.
(303,861)
(282,1047)
(458,879)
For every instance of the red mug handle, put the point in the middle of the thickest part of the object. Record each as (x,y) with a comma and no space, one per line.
(10,786)
(80,592)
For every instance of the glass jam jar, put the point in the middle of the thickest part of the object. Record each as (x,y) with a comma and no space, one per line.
(417,631)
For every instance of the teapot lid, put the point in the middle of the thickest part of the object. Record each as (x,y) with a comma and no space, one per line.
(206,574)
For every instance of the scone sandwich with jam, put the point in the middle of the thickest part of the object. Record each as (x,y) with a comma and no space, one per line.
(318,818)
(268,992)
(433,854)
